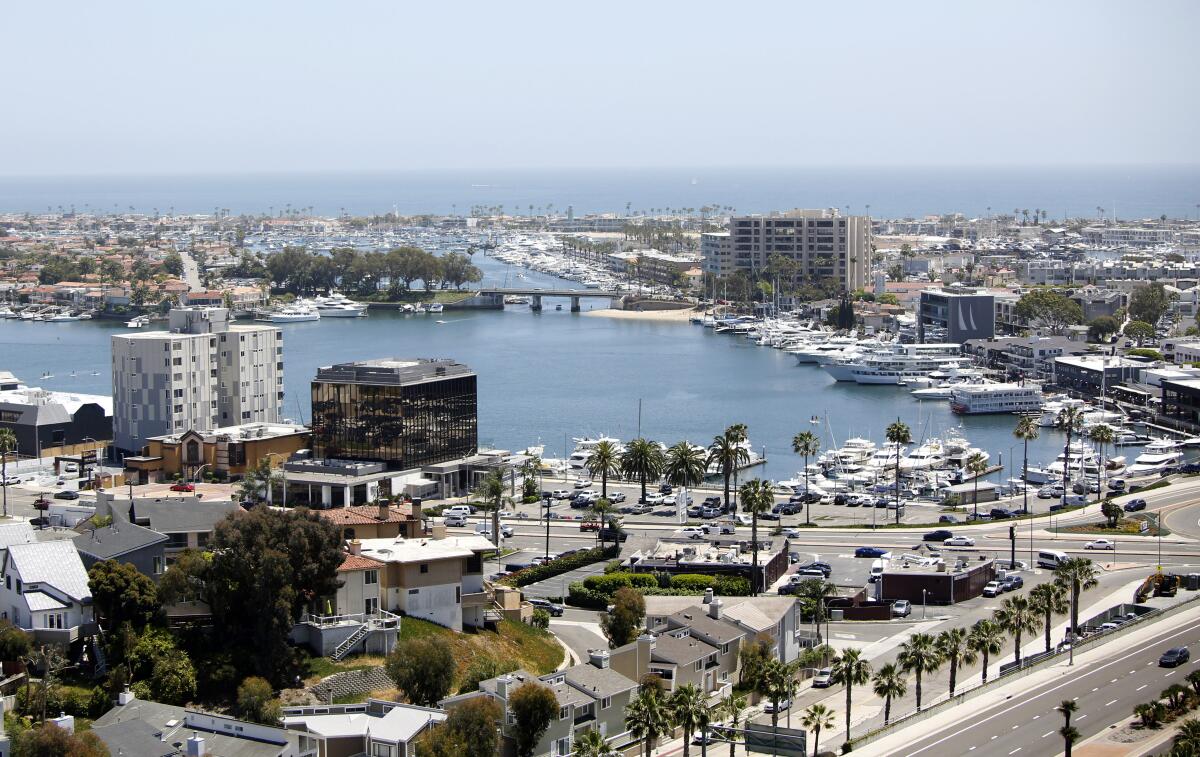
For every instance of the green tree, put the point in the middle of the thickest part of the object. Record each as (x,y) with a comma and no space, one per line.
(688,709)
(491,491)
(812,594)
(642,459)
(732,707)
(622,624)
(1187,739)
(887,298)
(1047,600)
(15,644)
(185,579)
(976,465)
(1103,327)
(850,669)
(8,445)
(591,743)
(1070,420)
(1149,303)
(533,706)
(985,639)
(919,655)
(817,718)
(122,594)
(728,454)
(1139,331)
(604,461)
(422,668)
(647,717)
(482,668)
(1048,308)
(173,679)
(256,702)
(806,444)
(473,723)
(954,648)
(1077,574)
(898,434)
(1069,734)
(1016,616)
(757,498)
(48,740)
(889,684)
(173,264)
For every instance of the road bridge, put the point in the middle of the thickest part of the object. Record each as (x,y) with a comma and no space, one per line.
(536,294)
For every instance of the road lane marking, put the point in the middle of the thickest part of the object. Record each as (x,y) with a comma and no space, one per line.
(1035,717)
(1168,675)
(1081,717)
(1113,680)
(994,738)
(1108,703)
(1139,688)
(1047,733)
(1096,689)
(1015,751)
(1015,727)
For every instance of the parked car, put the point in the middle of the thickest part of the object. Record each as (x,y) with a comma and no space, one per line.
(589,525)
(1117,484)
(612,534)
(640,509)
(10,481)
(1134,505)
(947,519)
(1012,582)
(1100,544)
(784,706)
(1000,513)
(485,529)
(455,520)
(692,532)
(183,486)
(654,499)
(616,497)
(806,574)
(993,589)
(823,679)
(1080,487)
(741,520)
(1190,468)
(709,512)
(901,608)
(1174,657)
(1050,492)
(959,541)
(562,494)
(545,604)
(939,535)
(582,483)
(665,489)
(66,494)
(870,552)
(824,567)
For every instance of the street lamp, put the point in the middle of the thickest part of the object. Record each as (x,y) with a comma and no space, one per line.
(924,602)
(196,473)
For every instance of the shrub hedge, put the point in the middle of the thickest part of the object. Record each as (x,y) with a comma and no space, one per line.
(560,565)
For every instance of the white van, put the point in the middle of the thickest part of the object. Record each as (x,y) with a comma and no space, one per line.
(463,510)
(1050,558)
(455,519)
(876,570)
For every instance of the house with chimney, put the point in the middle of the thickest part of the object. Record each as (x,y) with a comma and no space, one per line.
(380,521)
(775,619)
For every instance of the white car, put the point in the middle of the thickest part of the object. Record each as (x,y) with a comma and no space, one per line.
(582,483)
(959,541)
(791,533)
(741,520)
(11,481)
(562,494)
(654,499)
(1100,544)
(692,532)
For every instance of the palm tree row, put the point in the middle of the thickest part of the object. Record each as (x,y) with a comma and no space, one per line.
(653,714)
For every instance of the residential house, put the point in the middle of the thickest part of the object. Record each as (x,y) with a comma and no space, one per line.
(45,591)
(124,542)
(351,621)
(378,728)
(187,522)
(382,521)
(777,619)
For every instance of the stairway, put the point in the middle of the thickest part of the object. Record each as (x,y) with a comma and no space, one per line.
(344,648)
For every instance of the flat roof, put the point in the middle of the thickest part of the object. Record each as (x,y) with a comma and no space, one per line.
(240,432)
(392,371)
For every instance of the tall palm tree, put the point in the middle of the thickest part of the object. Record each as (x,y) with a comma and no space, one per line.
(757,498)
(954,648)
(1026,431)
(593,744)
(889,684)
(732,707)
(604,461)
(642,459)
(1187,738)
(778,683)
(1016,616)
(1049,599)
(689,710)
(985,639)
(812,593)
(976,466)
(728,454)
(491,491)
(8,443)
(685,465)
(815,718)
(806,444)
(1069,419)
(647,717)
(919,655)
(1103,435)
(1078,574)
(604,514)
(1069,734)
(899,434)
(850,669)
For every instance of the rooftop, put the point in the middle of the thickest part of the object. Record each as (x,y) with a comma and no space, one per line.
(403,550)
(55,563)
(392,371)
(398,724)
(148,728)
(115,540)
(361,515)
(242,432)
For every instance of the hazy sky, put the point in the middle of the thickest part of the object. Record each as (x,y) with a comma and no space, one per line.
(177,87)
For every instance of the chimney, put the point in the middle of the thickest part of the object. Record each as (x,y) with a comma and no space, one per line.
(385,510)
(196,746)
(714,609)
(355,546)
(598,658)
(645,649)
(125,697)
(708,595)
(502,684)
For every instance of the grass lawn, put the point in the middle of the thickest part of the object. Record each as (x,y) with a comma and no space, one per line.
(1126,526)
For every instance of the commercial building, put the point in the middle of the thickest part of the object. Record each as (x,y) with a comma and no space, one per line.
(403,413)
(227,452)
(1091,374)
(823,244)
(48,423)
(201,374)
(955,315)
(1181,400)
(730,557)
(716,249)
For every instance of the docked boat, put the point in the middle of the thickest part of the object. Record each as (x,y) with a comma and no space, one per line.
(925,457)
(338,306)
(294,314)
(897,363)
(137,322)
(979,399)
(1157,458)
(435,307)
(585,447)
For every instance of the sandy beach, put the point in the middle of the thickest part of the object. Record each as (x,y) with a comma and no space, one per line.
(675,316)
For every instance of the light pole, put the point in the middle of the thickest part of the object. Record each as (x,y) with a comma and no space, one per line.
(547,508)
(924,602)
(196,473)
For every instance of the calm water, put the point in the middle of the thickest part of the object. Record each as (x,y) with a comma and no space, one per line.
(1135,192)
(552,376)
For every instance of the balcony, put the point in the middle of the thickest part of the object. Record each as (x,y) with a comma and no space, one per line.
(373,620)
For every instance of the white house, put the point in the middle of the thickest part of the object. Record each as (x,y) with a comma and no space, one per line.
(45,590)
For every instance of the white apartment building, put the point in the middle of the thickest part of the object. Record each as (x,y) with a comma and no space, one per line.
(201,374)
(717,252)
(825,244)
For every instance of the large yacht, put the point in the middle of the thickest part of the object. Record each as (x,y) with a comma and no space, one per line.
(975,399)
(338,306)
(585,446)
(1158,456)
(895,364)
(294,314)
(925,457)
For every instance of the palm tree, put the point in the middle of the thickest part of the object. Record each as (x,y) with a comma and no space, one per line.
(491,491)
(8,443)
(604,461)
(1078,574)
(689,710)
(976,465)
(732,707)
(757,498)
(778,683)
(1103,435)
(889,684)
(985,639)
(647,718)
(953,647)
(1069,419)
(1026,431)
(919,655)
(642,459)
(806,444)
(1069,734)
(898,433)
(850,669)
(1016,616)
(1187,738)
(685,465)
(728,454)
(815,718)
(592,744)
(811,594)
(1048,600)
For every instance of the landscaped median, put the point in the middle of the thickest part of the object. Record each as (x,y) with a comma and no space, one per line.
(560,565)
(596,592)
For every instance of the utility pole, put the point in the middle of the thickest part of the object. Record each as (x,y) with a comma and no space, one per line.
(1012,547)
(547,508)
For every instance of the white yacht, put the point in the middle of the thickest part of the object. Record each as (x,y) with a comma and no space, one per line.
(584,447)
(856,451)
(925,457)
(977,399)
(338,306)
(435,307)
(884,457)
(1158,456)
(895,364)
(294,314)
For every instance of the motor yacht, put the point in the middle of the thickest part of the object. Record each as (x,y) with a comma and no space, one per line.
(294,314)
(338,306)
(1158,457)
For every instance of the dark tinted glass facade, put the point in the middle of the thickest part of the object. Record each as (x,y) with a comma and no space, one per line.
(405,426)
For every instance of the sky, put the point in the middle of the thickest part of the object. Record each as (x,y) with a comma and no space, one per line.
(242,87)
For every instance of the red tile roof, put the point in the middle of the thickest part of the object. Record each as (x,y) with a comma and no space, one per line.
(364,514)
(358,562)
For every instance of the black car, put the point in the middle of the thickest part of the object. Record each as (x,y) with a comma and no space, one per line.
(1190,468)
(768,516)
(939,535)
(999,513)
(665,489)
(1133,505)
(786,509)
(548,606)
(870,552)
(1013,582)
(947,519)
(608,534)
(821,566)
(66,494)
(712,501)
(1174,657)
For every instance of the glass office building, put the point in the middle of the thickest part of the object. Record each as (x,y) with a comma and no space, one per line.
(404,413)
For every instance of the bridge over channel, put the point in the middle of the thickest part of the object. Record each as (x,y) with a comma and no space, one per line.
(535,295)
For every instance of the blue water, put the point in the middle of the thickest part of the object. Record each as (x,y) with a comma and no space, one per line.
(1135,192)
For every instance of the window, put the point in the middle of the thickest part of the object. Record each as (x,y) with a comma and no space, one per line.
(177,541)
(605,703)
(457,595)
(371,605)
(381,750)
(725,648)
(563,746)
(564,712)
(699,665)
(158,565)
(202,540)
(370,577)
(424,567)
